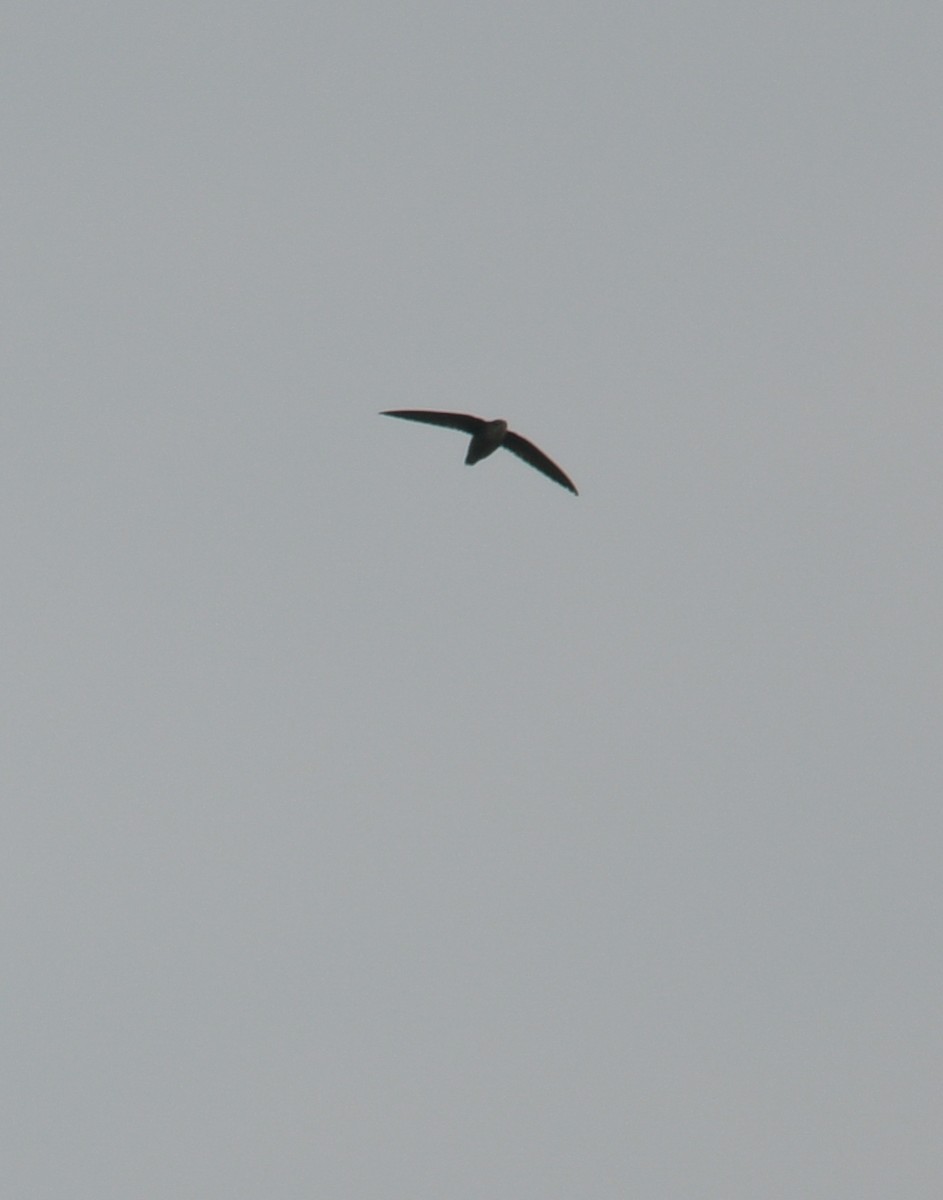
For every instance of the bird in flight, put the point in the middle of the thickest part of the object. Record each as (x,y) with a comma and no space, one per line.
(486,437)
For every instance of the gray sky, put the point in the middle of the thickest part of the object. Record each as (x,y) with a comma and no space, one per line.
(379,827)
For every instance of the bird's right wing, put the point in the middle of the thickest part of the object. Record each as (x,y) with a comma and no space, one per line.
(536,458)
(460,421)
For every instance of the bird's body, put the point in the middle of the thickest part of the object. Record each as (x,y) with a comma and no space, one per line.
(485,441)
(486,437)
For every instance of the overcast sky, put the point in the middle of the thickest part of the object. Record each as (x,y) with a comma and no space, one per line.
(377,827)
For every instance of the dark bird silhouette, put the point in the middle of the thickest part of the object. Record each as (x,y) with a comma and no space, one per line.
(486,437)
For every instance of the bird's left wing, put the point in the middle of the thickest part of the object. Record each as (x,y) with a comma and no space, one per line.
(536,458)
(450,420)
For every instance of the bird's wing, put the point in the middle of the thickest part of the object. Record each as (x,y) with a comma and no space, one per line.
(461,421)
(536,458)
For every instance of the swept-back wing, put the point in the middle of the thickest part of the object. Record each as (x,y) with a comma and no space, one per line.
(460,421)
(536,458)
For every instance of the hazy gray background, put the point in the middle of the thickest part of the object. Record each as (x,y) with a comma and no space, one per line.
(375,827)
